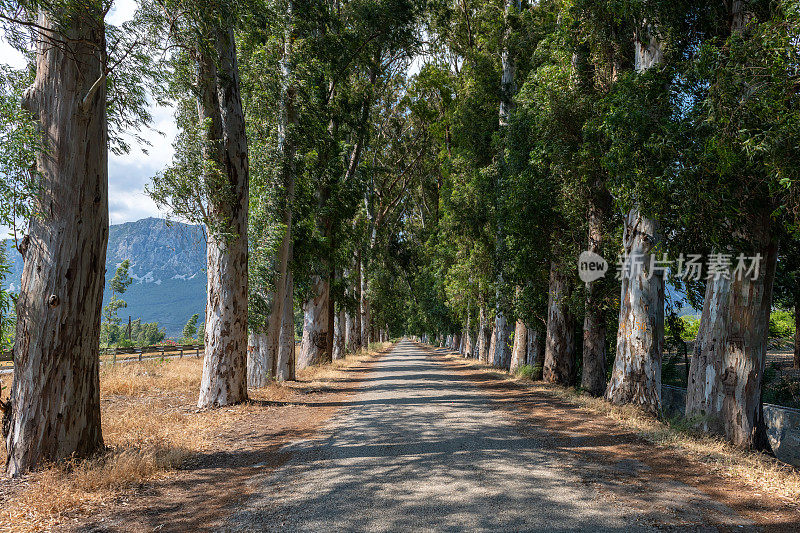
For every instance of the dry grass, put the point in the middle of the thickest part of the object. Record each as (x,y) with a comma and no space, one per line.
(150,427)
(325,374)
(761,471)
(765,473)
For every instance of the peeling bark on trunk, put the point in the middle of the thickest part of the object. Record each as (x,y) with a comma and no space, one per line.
(55,396)
(636,377)
(270,355)
(483,334)
(520,346)
(224,380)
(338,335)
(364,309)
(313,350)
(727,369)
(358,340)
(535,355)
(500,354)
(559,352)
(492,344)
(286,362)
(593,378)
(469,347)
(259,360)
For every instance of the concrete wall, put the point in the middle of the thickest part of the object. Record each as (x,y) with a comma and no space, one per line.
(783,423)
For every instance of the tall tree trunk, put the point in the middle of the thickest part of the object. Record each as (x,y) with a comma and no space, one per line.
(535,355)
(354,337)
(357,337)
(313,349)
(260,358)
(593,379)
(331,309)
(364,309)
(500,354)
(469,347)
(261,349)
(286,362)
(492,343)
(483,334)
(726,372)
(636,377)
(272,353)
(224,380)
(55,398)
(338,335)
(519,350)
(559,351)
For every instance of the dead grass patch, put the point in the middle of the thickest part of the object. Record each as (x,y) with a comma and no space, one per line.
(758,470)
(151,428)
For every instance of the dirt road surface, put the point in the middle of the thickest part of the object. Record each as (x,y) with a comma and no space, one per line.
(426,446)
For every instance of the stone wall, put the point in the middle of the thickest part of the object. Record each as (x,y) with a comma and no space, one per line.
(783,423)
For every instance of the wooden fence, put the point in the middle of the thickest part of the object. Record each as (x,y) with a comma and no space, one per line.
(140,352)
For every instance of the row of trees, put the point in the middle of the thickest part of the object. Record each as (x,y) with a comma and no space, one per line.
(281,106)
(390,166)
(659,130)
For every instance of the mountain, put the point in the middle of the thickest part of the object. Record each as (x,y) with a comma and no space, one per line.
(168,263)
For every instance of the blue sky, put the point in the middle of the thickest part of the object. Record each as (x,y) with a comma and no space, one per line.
(127,174)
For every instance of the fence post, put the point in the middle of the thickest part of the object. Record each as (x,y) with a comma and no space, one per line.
(181,355)
(141,352)
(197,351)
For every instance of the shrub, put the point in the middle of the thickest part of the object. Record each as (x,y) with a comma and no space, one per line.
(781,324)
(525,371)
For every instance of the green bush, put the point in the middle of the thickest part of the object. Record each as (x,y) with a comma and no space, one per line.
(525,371)
(781,324)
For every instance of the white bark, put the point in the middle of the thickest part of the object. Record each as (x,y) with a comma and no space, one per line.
(315,325)
(636,377)
(224,380)
(338,335)
(483,335)
(519,350)
(259,360)
(285,362)
(366,325)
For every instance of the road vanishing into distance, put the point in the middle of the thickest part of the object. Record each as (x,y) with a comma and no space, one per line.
(421,448)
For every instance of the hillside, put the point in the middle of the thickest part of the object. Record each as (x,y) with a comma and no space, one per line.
(167,265)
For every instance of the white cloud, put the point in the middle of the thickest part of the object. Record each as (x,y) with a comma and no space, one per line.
(11,56)
(121,11)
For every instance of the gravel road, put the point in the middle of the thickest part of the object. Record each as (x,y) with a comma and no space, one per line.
(421,448)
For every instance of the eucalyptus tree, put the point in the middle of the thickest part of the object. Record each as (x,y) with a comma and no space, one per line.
(636,375)
(746,111)
(550,121)
(270,80)
(208,181)
(79,60)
